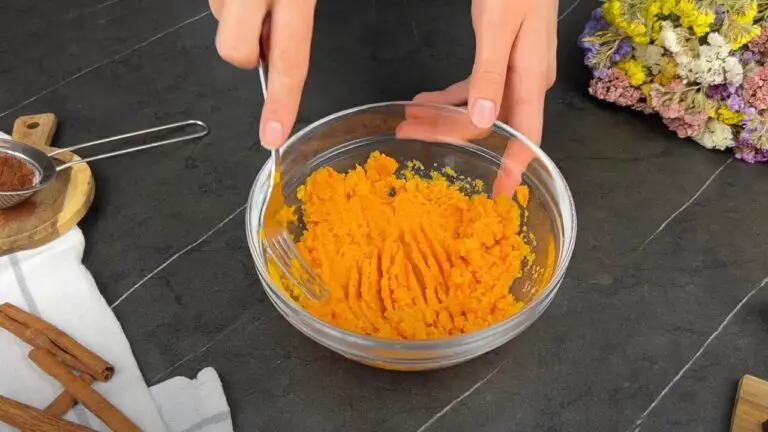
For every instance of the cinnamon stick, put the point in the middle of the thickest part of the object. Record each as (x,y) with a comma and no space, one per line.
(84,393)
(89,362)
(37,339)
(64,401)
(29,419)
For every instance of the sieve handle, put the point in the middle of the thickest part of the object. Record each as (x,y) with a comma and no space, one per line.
(180,126)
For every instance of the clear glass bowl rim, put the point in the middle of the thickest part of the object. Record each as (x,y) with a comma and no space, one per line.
(565,251)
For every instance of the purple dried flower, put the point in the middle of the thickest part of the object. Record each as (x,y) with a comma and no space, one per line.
(718,92)
(735,103)
(748,58)
(593,47)
(749,153)
(755,133)
(623,49)
(595,24)
(749,112)
(719,14)
(748,115)
(590,50)
(722,92)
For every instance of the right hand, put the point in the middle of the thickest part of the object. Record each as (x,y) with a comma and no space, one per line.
(285,37)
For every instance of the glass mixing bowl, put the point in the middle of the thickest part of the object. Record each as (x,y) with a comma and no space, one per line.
(436,136)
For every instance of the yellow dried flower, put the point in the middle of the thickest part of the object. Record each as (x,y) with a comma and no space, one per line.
(691,17)
(638,22)
(646,89)
(668,71)
(668,6)
(634,71)
(728,117)
(739,39)
(747,16)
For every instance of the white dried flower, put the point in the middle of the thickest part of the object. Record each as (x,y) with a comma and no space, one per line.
(710,66)
(668,37)
(716,40)
(650,55)
(734,72)
(715,135)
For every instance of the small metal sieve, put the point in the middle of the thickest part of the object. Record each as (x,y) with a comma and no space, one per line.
(45,168)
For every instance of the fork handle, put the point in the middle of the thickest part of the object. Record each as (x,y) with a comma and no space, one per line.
(263,80)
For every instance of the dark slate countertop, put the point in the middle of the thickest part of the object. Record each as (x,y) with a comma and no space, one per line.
(660,313)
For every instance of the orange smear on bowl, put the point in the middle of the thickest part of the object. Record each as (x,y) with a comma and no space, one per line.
(407,256)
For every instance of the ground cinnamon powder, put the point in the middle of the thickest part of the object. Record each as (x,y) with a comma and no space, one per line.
(408,257)
(15,174)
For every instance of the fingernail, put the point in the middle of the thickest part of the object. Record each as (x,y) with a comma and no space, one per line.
(483,113)
(272,135)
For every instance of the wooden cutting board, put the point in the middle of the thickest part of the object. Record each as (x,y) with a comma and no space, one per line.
(751,407)
(53,211)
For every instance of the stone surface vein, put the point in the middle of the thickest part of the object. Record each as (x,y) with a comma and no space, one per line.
(176,255)
(107,61)
(638,424)
(687,203)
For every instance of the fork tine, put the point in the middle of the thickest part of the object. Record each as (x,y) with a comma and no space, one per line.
(284,262)
(281,247)
(306,275)
(289,247)
(310,284)
(279,254)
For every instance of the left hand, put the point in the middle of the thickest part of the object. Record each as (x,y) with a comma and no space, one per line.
(515,65)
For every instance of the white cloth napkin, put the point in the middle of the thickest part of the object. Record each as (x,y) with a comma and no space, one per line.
(52,283)
(193,405)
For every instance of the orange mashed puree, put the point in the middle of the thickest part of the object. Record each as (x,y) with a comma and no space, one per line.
(409,257)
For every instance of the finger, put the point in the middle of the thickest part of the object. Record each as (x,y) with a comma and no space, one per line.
(527,118)
(455,94)
(527,84)
(266,37)
(440,129)
(428,123)
(237,38)
(515,160)
(526,107)
(527,81)
(216,7)
(290,39)
(496,22)
(552,42)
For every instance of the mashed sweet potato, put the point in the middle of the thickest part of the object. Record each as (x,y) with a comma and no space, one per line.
(406,256)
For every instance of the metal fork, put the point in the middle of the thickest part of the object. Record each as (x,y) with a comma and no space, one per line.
(279,244)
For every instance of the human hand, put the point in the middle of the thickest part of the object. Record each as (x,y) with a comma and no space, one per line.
(279,31)
(515,65)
